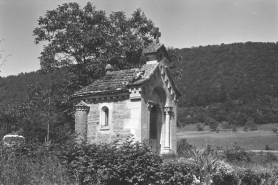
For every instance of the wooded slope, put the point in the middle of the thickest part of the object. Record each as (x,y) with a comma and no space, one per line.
(234,83)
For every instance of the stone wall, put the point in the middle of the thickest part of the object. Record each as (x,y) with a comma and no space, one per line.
(124,119)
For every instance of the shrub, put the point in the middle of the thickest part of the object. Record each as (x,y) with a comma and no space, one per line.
(245,128)
(251,124)
(249,177)
(183,147)
(268,147)
(127,163)
(275,130)
(236,153)
(226,125)
(206,161)
(234,129)
(270,157)
(213,125)
(224,175)
(177,172)
(200,127)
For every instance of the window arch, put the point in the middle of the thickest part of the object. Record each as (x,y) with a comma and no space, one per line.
(105,116)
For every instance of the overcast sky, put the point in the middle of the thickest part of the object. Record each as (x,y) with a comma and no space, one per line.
(183,24)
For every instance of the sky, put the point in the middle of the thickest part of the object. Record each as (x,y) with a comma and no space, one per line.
(182,23)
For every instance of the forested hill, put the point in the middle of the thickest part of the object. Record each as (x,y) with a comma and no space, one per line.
(13,89)
(235,83)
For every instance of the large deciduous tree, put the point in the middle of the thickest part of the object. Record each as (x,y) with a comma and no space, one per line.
(81,41)
(86,39)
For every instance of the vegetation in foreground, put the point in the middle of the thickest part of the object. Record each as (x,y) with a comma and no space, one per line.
(126,162)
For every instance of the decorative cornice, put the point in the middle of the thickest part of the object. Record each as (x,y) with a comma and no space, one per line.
(167,78)
(135,92)
(168,110)
(151,104)
(82,106)
(105,98)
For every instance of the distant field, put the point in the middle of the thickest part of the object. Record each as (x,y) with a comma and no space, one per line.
(251,140)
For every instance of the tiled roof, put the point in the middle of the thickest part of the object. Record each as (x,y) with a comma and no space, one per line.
(112,82)
(117,81)
(147,70)
(153,47)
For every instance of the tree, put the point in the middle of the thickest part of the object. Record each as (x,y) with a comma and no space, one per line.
(84,40)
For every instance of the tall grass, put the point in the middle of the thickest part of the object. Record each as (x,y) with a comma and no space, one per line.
(20,167)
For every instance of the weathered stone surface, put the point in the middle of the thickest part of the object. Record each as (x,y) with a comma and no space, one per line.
(129,96)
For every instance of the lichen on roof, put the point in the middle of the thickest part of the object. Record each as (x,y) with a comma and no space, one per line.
(112,82)
(148,69)
(153,47)
(118,81)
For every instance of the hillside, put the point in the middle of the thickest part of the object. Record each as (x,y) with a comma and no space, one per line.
(13,89)
(233,83)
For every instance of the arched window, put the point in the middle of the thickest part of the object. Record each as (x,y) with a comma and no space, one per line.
(105,116)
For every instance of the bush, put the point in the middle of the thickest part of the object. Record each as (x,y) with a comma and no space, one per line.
(275,130)
(213,125)
(127,163)
(200,127)
(234,129)
(245,128)
(183,147)
(226,125)
(236,153)
(224,175)
(251,124)
(177,172)
(249,177)
(206,160)
(270,157)
(268,147)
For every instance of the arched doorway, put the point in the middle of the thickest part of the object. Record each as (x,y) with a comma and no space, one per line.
(156,104)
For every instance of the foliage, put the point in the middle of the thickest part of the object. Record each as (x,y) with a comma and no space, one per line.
(177,172)
(213,124)
(237,153)
(229,82)
(251,124)
(249,177)
(36,165)
(200,126)
(123,162)
(120,162)
(225,174)
(46,104)
(206,161)
(85,39)
(234,129)
(183,147)
(270,157)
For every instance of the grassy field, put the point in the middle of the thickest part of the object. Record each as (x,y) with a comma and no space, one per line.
(251,140)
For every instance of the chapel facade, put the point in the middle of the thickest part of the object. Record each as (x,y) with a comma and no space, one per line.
(139,101)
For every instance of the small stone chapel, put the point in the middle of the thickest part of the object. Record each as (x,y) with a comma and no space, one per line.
(139,101)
